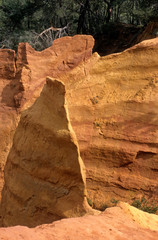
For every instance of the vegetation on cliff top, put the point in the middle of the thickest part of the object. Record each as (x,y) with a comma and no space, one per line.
(23,20)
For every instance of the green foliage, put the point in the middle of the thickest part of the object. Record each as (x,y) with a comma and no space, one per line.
(145,206)
(103,206)
(20,18)
(90,202)
(113,200)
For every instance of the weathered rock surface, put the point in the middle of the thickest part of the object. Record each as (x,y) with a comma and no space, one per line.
(113,106)
(7,110)
(112,103)
(114,223)
(21,83)
(44,174)
(143,219)
(65,54)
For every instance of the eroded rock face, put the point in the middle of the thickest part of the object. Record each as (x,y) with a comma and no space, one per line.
(112,103)
(114,223)
(7,110)
(21,83)
(113,106)
(44,174)
(33,67)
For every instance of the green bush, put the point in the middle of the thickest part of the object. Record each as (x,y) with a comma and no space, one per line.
(150,207)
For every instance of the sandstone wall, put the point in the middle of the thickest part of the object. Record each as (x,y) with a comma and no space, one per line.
(112,103)
(113,107)
(7,111)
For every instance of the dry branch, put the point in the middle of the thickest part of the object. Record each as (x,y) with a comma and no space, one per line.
(46,37)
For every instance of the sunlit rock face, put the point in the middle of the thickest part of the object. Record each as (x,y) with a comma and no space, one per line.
(113,106)
(22,79)
(44,174)
(112,103)
(33,67)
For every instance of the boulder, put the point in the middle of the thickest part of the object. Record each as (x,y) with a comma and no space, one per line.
(114,223)
(44,174)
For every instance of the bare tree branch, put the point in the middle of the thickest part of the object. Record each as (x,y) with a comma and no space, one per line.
(38,41)
(46,37)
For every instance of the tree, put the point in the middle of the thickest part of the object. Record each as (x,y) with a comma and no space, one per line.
(22,20)
(15,11)
(109,9)
(81,21)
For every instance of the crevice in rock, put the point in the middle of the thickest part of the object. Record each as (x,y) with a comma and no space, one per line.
(125,164)
(145,155)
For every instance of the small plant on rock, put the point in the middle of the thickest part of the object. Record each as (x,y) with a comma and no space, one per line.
(114,201)
(90,202)
(145,206)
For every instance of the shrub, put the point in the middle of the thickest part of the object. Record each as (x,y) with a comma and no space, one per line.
(150,207)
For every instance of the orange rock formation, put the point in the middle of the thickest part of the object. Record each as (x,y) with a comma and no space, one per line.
(114,223)
(33,67)
(21,83)
(44,174)
(7,107)
(113,106)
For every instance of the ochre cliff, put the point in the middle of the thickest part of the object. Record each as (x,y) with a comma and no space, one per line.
(22,81)
(113,110)
(33,67)
(7,108)
(115,223)
(113,106)
(44,174)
